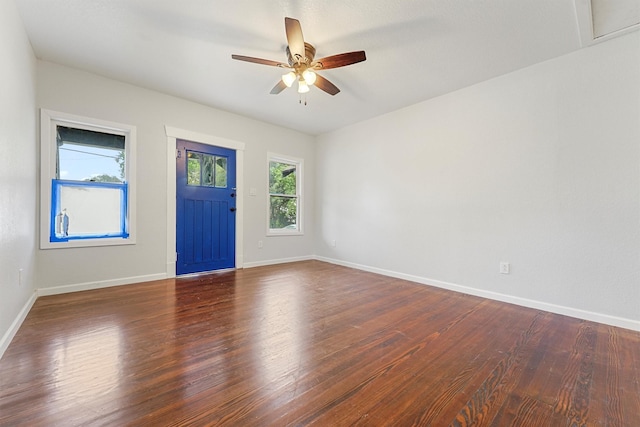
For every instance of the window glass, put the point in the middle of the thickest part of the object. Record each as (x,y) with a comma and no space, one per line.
(86,210)
(284,212)
(94,209)
(208,178)
(282,178)
(86,155)
(193,168)
(206,170)
(284,196)
(221,172)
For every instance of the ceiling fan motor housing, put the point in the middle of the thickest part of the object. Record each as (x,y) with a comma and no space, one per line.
(309,53)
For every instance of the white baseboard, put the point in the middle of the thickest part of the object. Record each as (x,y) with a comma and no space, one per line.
(13,329)
(277,261)
(524,302)
(56,290)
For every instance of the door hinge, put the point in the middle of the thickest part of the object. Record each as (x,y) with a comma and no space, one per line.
(176,256)
(178,154)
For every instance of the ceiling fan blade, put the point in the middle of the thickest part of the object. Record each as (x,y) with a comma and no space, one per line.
(340,60)
(294,38)
(260,61)
(279,87)
(326,85)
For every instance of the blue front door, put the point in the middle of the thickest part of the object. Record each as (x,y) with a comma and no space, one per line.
(206,205)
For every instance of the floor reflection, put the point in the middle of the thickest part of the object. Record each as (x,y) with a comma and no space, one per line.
(87,363)
(280,324)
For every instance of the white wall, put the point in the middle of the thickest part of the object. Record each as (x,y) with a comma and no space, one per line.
(17,170)
(540,168)
(76,92)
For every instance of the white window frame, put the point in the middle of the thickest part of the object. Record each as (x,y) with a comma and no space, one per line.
(48,121)
(299,164)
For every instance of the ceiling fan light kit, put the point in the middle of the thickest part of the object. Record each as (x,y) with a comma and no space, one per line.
(300,60)
(305,79)
(303,87)
(289,78)
(309,76)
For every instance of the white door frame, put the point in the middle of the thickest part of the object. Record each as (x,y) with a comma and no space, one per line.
(174,134)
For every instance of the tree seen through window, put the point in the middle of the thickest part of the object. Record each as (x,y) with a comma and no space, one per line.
(283,195)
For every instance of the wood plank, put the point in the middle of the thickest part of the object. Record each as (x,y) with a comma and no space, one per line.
(311,343)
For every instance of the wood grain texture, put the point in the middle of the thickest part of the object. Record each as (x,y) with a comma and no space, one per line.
(311,343)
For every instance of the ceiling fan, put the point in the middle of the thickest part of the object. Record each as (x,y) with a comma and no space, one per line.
(301,63)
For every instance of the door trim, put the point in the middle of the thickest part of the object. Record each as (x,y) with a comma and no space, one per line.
(174,134)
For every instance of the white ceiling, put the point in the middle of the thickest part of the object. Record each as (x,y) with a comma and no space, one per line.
(416,49)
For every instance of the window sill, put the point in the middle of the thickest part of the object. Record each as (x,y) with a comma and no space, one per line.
(278,233)
(87,243)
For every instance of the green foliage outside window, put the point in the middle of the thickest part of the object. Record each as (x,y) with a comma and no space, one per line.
(104,178)
(120,161)
(206,170)
(193,169)
(111,178)
(283,206)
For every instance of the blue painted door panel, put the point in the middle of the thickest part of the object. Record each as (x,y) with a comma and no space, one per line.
(205,215)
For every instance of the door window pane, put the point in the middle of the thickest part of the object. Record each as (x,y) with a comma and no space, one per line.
(221,172)
(208,178)
(205,170)
(193,168)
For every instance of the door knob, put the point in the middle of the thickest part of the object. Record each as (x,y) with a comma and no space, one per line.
(232,209)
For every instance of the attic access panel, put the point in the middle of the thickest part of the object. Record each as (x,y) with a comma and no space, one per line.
(611,16)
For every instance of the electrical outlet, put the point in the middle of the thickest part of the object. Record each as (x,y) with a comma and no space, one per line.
(260,245)
(505,268)
(333,243)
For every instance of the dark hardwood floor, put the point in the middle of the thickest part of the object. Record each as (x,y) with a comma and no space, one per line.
(311,343)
